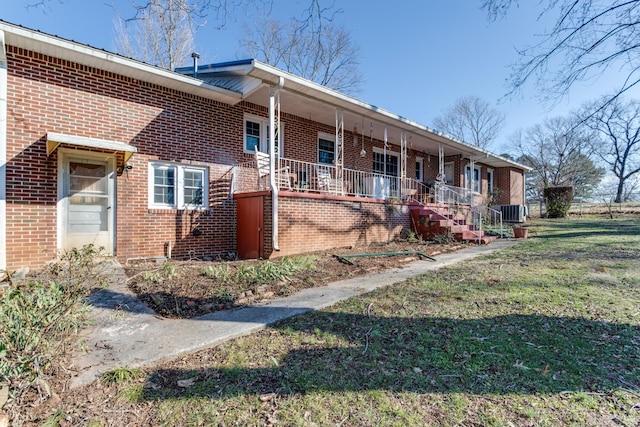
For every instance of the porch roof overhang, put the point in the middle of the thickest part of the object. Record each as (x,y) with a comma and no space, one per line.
(304,98)
(54,140)
(36,41)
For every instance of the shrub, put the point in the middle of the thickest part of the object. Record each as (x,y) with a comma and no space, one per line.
(558,201)
(39,317)
(444,238)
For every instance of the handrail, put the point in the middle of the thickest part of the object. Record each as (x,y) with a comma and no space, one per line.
(461,205)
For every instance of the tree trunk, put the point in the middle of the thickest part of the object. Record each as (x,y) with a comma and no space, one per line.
(620,192)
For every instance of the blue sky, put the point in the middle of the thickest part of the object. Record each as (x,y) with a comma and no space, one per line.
(417,56)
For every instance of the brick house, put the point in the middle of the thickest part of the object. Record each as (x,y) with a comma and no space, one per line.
(98,148)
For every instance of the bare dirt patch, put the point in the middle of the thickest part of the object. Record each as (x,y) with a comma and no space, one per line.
(188,288)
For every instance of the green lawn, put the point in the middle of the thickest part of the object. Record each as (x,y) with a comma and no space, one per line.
(544,334)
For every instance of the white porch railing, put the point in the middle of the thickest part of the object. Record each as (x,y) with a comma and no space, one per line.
(322,178)
(301,176)
(461,203)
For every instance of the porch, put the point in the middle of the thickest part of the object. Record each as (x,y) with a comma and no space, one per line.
(323,206)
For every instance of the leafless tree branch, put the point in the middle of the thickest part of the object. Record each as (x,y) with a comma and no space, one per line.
(327,56)
(471,120)
(588,38)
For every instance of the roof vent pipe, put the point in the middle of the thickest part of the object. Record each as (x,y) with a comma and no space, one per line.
(195,56)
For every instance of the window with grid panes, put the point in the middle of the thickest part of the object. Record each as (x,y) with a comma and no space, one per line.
(326,151)
(177,186)
(388,167)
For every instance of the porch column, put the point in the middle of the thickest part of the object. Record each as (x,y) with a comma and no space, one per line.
(274,132)
(472,173)
(403,163)
(440,163)
(339,160)
(440,178)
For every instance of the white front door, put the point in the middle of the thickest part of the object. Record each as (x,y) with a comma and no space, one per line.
(86,200)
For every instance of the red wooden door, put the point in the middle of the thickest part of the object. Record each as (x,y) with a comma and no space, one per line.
(250,227)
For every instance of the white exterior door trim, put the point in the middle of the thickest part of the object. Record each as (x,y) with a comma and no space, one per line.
(64,157)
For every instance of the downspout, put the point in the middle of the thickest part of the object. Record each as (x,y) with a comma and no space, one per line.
(3,152)
(274,120)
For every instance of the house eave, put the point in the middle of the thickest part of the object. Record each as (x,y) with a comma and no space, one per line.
(247,72)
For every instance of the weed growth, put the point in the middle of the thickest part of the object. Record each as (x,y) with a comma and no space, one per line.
(38,319)
(121,376)
(265,272)
(443,238)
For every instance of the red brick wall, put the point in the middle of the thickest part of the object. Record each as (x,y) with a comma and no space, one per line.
(516,187)
(509,182)
(50,95)
(317,222)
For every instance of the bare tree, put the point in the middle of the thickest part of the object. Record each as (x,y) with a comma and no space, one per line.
(588,38)
(162,34)
(316,49)
(471,120)
(327,56)
(619,123)
(557,150)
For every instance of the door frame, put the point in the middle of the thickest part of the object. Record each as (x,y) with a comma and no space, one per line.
(64,155)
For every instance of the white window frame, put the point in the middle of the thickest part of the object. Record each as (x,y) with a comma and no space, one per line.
(178,185)
(490,179)
(452,167)
(263,143)
(389,153)
(420,167)
(476,182)
(326,137)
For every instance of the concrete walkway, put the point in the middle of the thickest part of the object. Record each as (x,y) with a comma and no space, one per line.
(127,333)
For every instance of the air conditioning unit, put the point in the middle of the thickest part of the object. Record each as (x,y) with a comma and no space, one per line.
(513,213)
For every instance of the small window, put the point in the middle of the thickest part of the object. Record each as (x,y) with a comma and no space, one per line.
(419,168)
(164,178)
(193,186)
(326,150)
(175,186)
(256,135)
(251,136)
(476,185)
